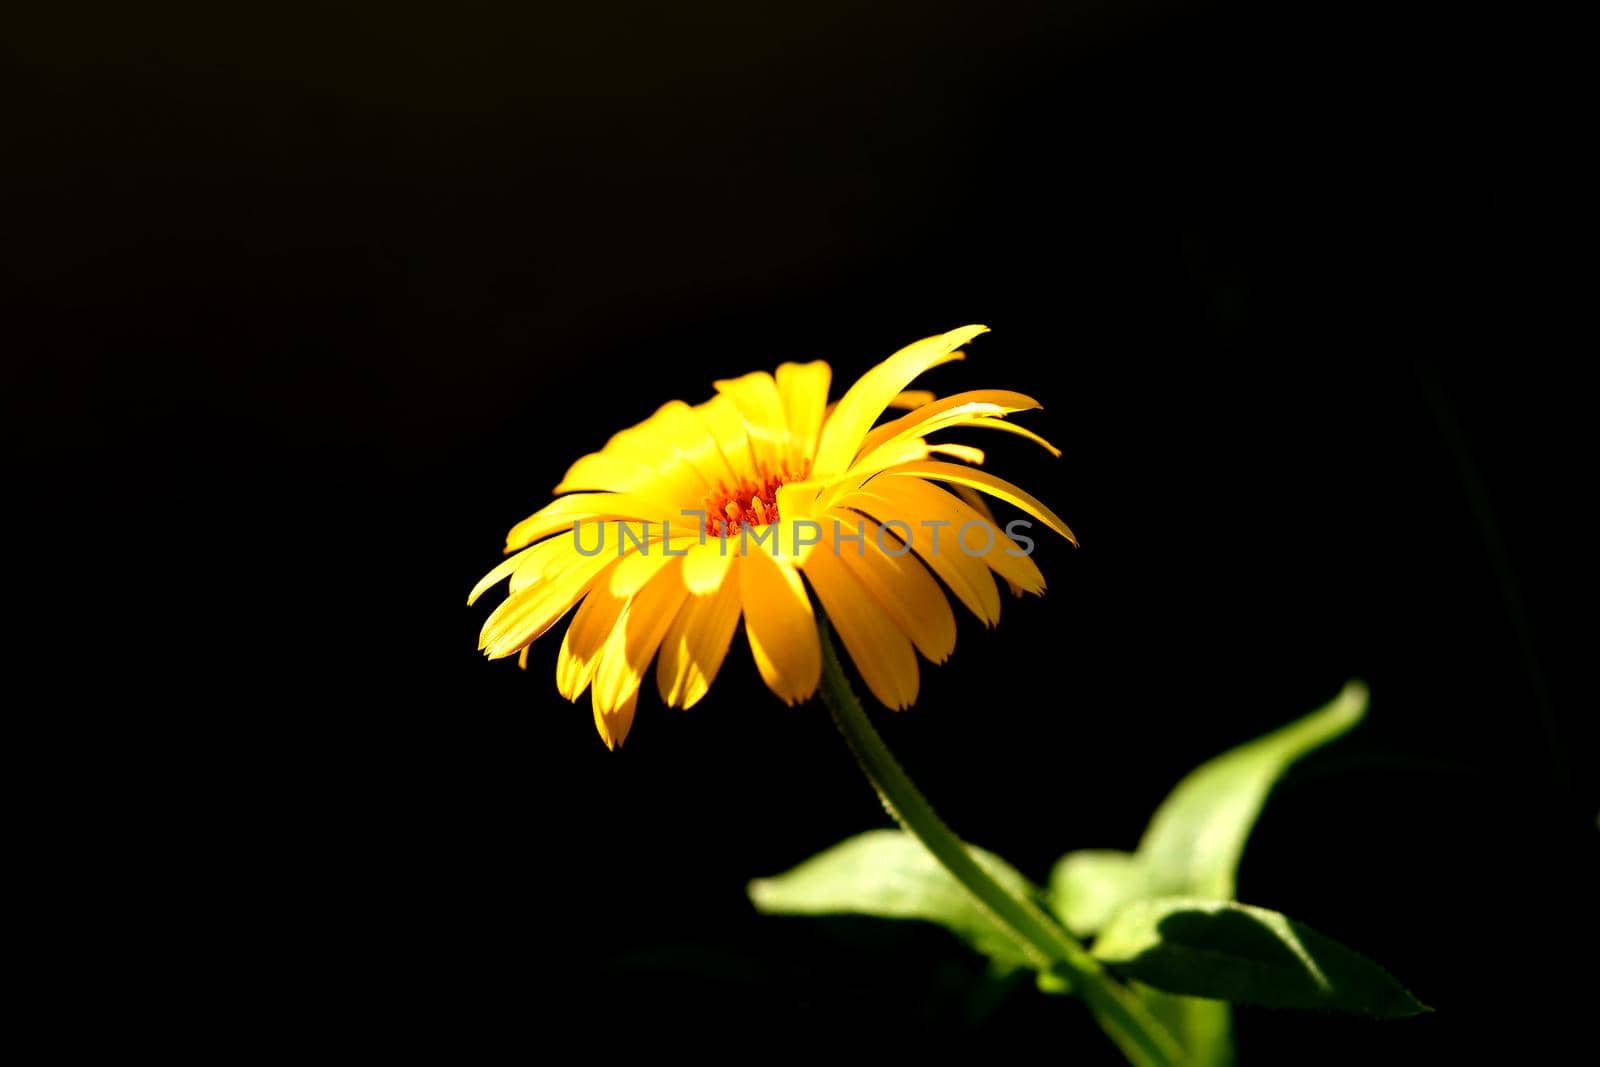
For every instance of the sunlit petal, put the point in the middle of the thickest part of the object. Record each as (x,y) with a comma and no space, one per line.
(861,405)
(696,644)
(780,626)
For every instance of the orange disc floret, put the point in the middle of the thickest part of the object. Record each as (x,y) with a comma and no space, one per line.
(751,503)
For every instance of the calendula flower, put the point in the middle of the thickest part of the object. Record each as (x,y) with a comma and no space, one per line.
(706,514)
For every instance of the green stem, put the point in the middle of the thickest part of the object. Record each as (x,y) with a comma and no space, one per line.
(1142,1039)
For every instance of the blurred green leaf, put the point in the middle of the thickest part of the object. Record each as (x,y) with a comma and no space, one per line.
(1192,847)
(889,874)
(1196,837)
(1088,887)
(1231,951)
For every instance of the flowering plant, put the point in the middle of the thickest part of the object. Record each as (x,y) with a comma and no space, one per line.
(748,505)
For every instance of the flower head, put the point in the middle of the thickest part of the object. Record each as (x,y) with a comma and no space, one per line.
(703,515)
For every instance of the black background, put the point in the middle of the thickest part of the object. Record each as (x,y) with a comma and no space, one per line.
(304,313)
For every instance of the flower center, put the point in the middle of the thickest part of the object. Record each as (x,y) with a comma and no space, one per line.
(751,503)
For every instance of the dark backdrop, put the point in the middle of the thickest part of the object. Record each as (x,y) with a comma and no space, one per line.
(303,314)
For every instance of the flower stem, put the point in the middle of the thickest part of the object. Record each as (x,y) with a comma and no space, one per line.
(1125,1020)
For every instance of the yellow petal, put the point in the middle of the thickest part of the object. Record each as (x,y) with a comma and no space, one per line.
(662,484)
(706,565)
(661,458)
(756,396)
(892,454)
(881,651)
(656,438)
(860,407)
(525,616)
(684,431)
(726,424)
(586,636)
(965,453)
(974,500)
(638,568)
(911,399)
(799,500)
(560,515)
(498,574)
(953,410)
(780,625)
(634,639)
(985,543)
(696,644)
(984,482)
(898,498)
(1020,431)
(614,722)
(546,559)
(907,592)
(804,390)
(800,503)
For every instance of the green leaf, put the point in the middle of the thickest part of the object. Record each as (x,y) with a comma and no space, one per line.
(1088,887)
(889,874)
(1193,846)
(1229,951)
(1196,837)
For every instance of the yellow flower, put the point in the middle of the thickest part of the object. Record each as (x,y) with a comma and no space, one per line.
(704,514)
